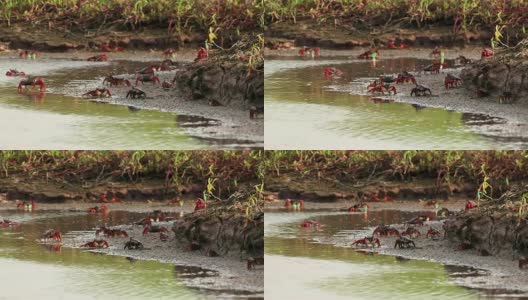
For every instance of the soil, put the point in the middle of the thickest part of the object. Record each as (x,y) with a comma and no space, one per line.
(332,191)
(42,191)
(340,35)
(52,39)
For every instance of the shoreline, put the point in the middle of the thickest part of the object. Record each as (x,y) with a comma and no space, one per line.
(229,272)
(224,125)
(500,120)
(501,272)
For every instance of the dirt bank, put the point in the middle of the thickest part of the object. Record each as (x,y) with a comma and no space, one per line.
(504,72)
(23,36)
(42,191)
(340,35)
(322,190)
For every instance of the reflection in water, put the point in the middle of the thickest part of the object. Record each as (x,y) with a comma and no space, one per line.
(300,267)
(53,272)
(298,96)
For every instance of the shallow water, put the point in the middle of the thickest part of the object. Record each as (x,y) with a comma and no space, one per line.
(301,103)
(300,265)
(30,270)
(52,121)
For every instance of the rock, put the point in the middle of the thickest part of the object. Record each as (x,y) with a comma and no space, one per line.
(228,83)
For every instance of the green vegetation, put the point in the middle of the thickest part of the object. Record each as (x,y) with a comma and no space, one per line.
(501,176)
(500,167)
(221,172)
(507,19)
(177,16)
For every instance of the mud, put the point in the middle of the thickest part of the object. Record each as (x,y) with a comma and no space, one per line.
(232,125)
(504,72)
(497,272)
(507,121)
(56,40)
(42,191)
(322,190)
(225,272)
(339,34)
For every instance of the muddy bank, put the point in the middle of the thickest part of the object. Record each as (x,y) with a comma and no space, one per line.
(507,121)
(42,191)
(229,83)
(325,190)
(222,270)
(337,34)
(504,73)
(24,36)
(494,272)
(226,126)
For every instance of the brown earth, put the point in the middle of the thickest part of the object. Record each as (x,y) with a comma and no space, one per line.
(340,35)
(331,190)
(23,36)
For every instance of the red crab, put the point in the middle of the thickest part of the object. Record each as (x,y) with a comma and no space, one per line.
(52,234)
(310,224)
(149,228)
(418,220)
(97,243)
(435,67)
(436,52)
(29,54)
(384,230)
(104,198)
(470,205)
(98,93)
(99,57)
(15,73)
(380,87)
(452,81)
(96,209)
(367,241)
(111,232)
(201,54)
(392,45)
(358,207)
(433,233)
(412,232)
(405,77)
(106,48)
(295,203)
(368,54)
(431,203)
(146,78)
(486,53)
(199,204)
(169,52)
(33,82)
(332,72)
(25,204)
(8,223)
(315,52)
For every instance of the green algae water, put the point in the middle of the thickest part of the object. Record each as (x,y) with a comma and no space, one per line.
(301,103)
(300,265)
(29,270)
